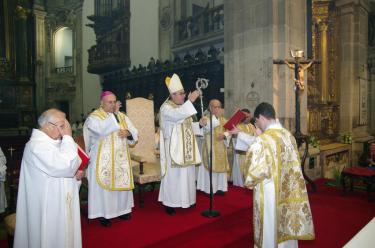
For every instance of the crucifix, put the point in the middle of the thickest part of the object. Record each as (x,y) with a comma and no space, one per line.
(299,65)
(11,149)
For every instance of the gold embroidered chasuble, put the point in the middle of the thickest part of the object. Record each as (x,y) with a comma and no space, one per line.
(220,162)
(250,130)
(113,163)
(274,155)
(183,148)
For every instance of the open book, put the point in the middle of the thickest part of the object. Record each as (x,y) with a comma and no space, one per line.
(236,118)
(84,158)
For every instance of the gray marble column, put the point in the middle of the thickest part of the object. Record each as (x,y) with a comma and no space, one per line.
(77,102)
(255,33)
(40,68)
(353,19)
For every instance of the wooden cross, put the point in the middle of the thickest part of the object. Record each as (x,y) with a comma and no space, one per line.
(11,149)
(299,65)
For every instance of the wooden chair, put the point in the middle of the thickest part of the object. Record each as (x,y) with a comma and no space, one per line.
(146,165)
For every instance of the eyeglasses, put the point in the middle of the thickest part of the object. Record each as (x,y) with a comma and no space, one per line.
(61,126)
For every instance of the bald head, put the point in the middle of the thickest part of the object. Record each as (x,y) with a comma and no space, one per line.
(51,122)
(215,107)
(50,115)
(108,103)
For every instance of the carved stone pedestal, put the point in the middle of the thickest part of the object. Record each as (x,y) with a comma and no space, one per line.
(334,158)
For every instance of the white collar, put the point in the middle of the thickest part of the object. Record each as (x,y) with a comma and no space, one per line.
(275,125)
(38,135)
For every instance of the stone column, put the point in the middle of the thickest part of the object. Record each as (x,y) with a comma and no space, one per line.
(255,33)
(323,27)
(353,19)
(167,14)
(77,102)
(353,77)
(40,48)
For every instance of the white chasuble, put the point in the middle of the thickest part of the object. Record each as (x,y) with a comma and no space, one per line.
(109,172)
(113,168)
(281,207)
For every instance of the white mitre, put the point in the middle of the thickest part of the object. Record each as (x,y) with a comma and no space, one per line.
(174,84)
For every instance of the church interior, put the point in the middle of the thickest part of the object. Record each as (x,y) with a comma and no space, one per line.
(313,60)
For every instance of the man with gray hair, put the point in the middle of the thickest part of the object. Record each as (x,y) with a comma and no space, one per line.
(48,213)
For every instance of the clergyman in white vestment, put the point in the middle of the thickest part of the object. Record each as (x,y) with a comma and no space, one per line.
(179,151)
(48,212)
(281,209)
(242,137)
(107,134)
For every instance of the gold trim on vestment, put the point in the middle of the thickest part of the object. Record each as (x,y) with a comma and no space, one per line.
(119,169)
(220,162)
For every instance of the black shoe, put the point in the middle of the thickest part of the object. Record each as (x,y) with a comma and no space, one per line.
(220,192)
(105,222)
(192,206)
(127,216)
(170,211)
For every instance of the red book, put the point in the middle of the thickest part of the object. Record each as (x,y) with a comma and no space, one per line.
(234,120)
(84,158)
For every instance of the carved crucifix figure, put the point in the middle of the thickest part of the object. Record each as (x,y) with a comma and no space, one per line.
(299,80)
(299,65)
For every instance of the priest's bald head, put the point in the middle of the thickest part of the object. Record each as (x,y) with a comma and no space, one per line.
(215,107)
(53,123)
(108,101)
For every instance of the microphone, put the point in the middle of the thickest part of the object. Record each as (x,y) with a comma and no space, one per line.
(118,121)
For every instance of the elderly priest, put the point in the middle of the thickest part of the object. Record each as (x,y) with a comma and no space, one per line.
(107,133)
(48,202)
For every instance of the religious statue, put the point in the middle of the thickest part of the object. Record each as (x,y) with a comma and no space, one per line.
(299,65)
(299,81)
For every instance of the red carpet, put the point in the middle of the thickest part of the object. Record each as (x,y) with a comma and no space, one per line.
(336,218)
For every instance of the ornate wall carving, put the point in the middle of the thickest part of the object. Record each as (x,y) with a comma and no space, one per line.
(17,68)
(64,84)
(112,29)
(322,90)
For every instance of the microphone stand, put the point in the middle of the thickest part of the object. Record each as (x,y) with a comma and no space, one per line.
(201,83)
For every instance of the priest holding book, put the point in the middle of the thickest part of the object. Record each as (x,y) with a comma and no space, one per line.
(107,133)
(48,213)
(220,164)
(243,135)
